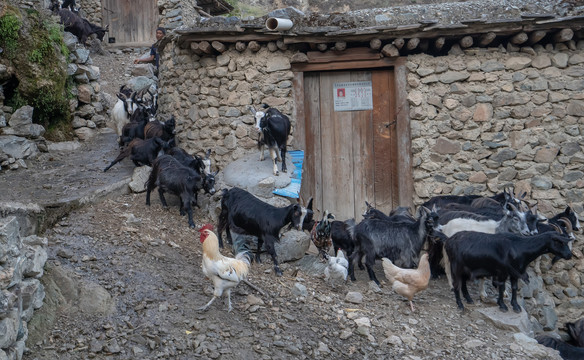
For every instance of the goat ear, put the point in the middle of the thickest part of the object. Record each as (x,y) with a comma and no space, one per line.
(252,110)
(309,206)
(208,154)
(568,210)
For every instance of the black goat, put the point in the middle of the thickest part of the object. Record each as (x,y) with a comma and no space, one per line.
(308,220)
(567,351)
(401,213)
(57,5)
(170,175)
(247,214)
(501,256)
(135,128)
(442,201)
(80,27)
(196,163)
(401,242)
(165,130)
(274,128)
(568,214)
(141,152)
(576,332)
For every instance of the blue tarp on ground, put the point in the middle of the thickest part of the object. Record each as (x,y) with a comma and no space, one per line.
(293,189)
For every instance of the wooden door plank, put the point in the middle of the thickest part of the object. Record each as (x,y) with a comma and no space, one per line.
(311,176)
(383,154)
(363,162)
(393,140)
(405,182)
(336,139)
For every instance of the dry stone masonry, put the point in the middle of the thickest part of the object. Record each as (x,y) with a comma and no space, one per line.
(481,118)
(21,266)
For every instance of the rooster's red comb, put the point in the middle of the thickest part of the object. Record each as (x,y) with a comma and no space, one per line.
(206,227)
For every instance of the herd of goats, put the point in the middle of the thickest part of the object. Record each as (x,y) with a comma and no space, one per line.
(466,236)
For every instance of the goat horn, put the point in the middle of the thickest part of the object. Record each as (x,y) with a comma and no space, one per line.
(567,223)
(556,228)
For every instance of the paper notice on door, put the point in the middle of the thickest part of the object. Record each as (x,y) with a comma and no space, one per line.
(353,96)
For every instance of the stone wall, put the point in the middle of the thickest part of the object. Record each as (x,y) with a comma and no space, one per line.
(486,118)
(209,97)
(21,266)
(91,10)
(481,119)
(176,13)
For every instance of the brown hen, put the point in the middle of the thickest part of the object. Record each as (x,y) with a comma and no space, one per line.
(408,282)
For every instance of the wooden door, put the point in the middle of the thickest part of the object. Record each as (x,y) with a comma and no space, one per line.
(350,156)
(131,21)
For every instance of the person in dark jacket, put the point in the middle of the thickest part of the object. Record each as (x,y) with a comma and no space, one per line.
(154,56)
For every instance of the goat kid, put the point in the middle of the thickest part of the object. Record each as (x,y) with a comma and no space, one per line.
(246,214)
(401,242)
(164,130)
(141,152)
(501,256)
(169,175)
(198,164)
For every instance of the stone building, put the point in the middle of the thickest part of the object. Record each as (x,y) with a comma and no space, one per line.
(458,98)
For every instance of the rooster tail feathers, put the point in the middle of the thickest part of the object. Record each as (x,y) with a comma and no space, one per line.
(241,249)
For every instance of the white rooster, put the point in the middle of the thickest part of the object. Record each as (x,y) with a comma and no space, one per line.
(336,269)
(224,272)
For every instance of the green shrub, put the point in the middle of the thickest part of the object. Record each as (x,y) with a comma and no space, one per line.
(9,25)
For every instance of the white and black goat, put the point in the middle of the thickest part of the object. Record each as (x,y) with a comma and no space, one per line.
(401,242)
(567,215)
(246,214)
(501,256)
(124,108)
(274,129)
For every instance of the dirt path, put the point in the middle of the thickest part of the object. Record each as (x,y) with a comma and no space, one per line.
(149,261)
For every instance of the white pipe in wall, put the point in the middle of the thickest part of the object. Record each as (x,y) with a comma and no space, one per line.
(279,24)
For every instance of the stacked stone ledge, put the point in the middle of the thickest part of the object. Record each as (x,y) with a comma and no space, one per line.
(21,266)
